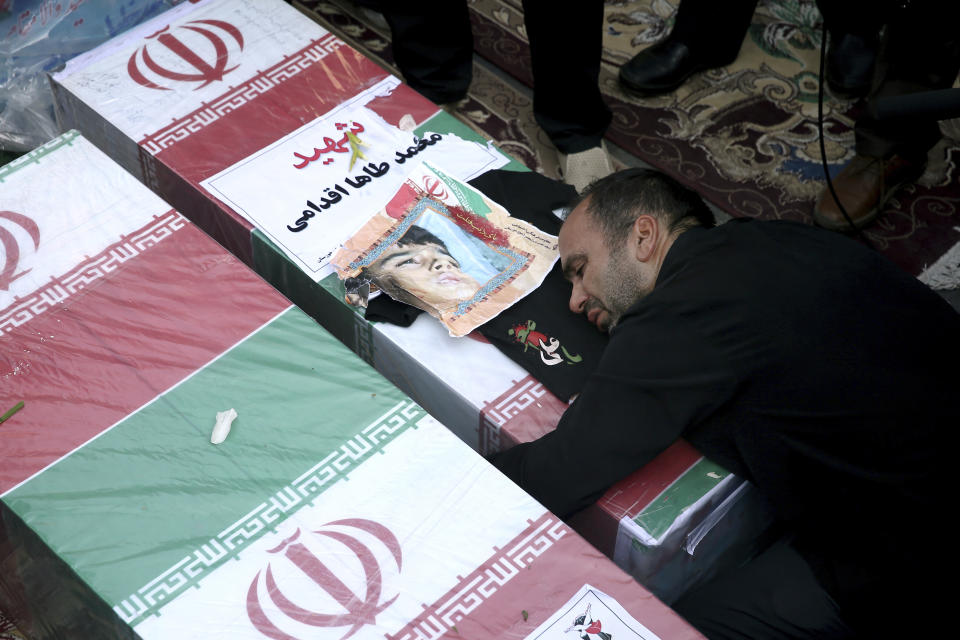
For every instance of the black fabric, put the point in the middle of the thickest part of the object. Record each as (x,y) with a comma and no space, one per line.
(544,315)
(921,52)
(800,361)
(527,195)
(433,46)
(776,595)
(566,47)
(713,28)
(383,308)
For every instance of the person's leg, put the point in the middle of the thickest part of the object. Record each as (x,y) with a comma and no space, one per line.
(713,29)
(432,46)
(565,49)
(921,52)
(854,41)
(707,34)
(775,595)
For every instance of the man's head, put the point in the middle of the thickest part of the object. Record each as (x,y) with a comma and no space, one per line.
(420,271)
(616,236)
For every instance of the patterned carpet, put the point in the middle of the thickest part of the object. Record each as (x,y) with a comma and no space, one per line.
(745,136)
(7,630)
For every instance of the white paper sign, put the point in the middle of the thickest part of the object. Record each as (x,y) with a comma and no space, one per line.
(591,615)
(312,189)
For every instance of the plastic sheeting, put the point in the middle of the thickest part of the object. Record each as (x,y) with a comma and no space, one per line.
(336,505)
(37,36)
(280,72)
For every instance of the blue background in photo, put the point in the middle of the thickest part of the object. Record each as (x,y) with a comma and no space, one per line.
(476,259)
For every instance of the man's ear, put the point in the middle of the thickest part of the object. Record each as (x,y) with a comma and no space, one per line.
(644,235)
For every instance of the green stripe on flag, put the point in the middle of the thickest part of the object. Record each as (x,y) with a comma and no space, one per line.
(34,156)
(152,502)
(699,479)
(471,200)
(443,122)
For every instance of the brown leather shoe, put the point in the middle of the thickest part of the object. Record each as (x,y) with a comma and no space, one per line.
(863,187)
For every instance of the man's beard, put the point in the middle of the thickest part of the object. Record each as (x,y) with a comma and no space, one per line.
(623,286)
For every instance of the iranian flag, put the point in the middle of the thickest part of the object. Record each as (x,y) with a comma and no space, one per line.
(335,508)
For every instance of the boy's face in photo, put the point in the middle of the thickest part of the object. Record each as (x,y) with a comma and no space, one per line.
(428,271)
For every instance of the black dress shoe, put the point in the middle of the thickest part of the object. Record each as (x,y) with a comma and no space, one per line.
(849,65)
(664,67)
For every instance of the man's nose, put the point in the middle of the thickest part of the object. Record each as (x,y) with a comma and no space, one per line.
(577,298)
(442,264)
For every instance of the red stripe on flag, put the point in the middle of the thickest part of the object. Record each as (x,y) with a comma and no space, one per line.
(631,495)
(600,522)
(202,144)
(536,572)
(402,101)
(105,351)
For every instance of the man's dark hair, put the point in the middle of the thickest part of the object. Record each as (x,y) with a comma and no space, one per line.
(419,235)
(617,200)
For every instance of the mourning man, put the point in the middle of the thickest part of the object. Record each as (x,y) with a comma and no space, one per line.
(796,358)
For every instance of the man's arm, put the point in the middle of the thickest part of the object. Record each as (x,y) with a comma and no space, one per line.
(651,385)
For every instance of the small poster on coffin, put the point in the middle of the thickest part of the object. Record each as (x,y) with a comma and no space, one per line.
(443,247)
(592,615)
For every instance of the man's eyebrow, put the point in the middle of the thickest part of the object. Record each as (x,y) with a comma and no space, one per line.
(571,265)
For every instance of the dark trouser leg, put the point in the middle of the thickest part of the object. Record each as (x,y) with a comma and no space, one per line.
(775,595)
(921,53)
(566,42)
(852,16)
(433,46)
(714,29)
(854,42)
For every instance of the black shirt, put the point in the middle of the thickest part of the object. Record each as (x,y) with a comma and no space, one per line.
(798,360)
